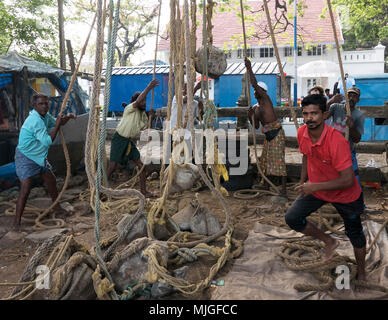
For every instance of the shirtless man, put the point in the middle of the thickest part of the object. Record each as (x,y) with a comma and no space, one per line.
(272,160)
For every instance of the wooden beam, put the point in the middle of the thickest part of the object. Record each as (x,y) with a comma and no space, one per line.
(283,112)
(291,142)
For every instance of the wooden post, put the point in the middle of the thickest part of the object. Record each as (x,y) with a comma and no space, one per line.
(25,99)
(71,55)
(62,49)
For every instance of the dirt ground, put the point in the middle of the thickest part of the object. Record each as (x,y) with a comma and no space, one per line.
(16,250)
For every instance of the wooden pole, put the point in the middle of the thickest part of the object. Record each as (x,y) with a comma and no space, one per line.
(284,83)
(156,51)
(247,82)
(347,106)
(71,55)
(62,48)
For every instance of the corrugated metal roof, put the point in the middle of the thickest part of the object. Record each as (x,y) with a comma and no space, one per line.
(232,69)
(257,68)
(117,71)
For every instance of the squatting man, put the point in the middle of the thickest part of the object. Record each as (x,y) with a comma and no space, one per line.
(327,177)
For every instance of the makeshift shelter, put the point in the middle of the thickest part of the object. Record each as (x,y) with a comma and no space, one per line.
(17,74)
(17,71)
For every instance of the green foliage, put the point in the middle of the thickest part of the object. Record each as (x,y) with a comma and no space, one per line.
(29,27)
(365,22)
(138,20)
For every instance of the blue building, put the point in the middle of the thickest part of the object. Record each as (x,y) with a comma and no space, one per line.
(127,80)
(374,92)
(228,87)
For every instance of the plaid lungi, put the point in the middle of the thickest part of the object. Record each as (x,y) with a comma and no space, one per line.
(272,160)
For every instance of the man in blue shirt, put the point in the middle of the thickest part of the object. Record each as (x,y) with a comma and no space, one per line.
(35,138)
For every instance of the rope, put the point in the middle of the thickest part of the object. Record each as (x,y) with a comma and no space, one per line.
(158,273)
(53,260)
(245,55)
(249,104)
(170,86)
(102,137)
(134,178)
(284,83)
(38,224)
(293,251)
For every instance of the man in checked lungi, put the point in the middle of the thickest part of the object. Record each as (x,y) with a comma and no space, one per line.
(272,160)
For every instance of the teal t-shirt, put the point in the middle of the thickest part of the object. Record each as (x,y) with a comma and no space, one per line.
(34,136)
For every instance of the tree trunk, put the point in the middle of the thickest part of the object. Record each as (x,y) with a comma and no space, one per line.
(62,48)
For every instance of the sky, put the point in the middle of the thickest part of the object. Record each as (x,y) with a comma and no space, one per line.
(77,32)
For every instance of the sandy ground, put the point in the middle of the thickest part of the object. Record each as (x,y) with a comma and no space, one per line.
(15,253)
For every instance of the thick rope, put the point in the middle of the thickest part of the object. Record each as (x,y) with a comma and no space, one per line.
(102,137)
(56,255)
(249,104)
(38,224)
(280,66)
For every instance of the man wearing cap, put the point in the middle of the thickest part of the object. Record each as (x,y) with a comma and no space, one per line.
(272,160)
(317,90)
(339,120)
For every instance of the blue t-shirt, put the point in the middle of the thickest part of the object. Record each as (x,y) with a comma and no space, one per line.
(34,137)
(337,120)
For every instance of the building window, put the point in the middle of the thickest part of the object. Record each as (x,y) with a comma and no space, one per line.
(317,50)
(288,51)
(311,83)
(266,52)
(251,53)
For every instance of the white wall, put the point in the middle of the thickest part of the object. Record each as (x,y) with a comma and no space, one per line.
(354,62)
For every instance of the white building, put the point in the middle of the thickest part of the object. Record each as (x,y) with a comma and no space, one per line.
(317,61)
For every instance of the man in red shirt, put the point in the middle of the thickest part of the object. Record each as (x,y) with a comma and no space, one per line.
(327,177)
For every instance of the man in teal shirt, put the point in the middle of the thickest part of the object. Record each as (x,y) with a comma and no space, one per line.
(35,138)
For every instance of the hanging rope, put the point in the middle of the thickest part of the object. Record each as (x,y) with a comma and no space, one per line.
(337,46)
(38,224)
(247,82)
(280,66)
(102,137)
(249,104)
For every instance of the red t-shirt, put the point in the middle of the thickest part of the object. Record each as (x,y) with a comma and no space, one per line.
(325,159)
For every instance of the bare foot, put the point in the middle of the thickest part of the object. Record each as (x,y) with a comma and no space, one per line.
(330,249)
(358,287)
